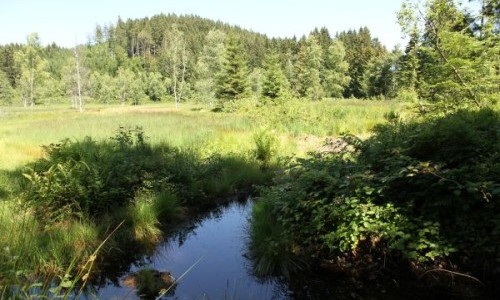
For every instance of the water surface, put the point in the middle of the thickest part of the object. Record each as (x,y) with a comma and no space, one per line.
(218,241)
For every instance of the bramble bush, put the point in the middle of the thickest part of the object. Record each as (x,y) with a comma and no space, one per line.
(421,190)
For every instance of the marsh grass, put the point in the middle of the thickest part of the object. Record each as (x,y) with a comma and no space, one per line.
(23,131)
(208,156)
(328,117)
(270,248)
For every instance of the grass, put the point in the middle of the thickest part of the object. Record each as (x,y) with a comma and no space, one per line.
(217,153)
(23,131)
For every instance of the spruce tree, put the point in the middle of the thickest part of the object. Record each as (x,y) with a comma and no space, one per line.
(275,84)
(232,81)
(6,90)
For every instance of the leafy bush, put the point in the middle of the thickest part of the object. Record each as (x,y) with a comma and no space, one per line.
(88,179)
(422,190)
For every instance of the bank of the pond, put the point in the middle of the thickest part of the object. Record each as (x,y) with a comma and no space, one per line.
(88,200)
(209,256)
(418,197)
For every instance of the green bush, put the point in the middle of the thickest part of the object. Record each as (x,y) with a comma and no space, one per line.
(423,190)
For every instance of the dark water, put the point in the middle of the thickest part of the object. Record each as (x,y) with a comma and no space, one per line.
(218,242)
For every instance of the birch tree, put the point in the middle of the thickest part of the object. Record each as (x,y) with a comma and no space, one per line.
(175,61)
(31,65)
(76,79)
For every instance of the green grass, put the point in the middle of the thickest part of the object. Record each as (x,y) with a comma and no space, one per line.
(217,153)
(23,131)
(328,117)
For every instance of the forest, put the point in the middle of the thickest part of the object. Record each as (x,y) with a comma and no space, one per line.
(188,58)
(377,165)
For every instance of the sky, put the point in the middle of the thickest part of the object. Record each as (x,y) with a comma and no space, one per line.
(68,22)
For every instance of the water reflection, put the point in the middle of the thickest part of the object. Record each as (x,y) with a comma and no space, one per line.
(220,239)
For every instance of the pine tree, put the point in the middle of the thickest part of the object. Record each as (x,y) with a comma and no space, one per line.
(6,90)
(232,81)
(275,84)
(8,64)
(360,50)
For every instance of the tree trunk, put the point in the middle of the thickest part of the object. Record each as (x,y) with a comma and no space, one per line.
(32,88)
(78,83)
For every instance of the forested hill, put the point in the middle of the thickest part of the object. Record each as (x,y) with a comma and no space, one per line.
(143,37)
(188,58)
(167,50)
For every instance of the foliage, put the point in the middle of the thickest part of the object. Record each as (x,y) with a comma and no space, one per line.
(266,146)
(274,84)
(308,69)
(210,63)
(231,82)
(450,59)
(422,190)
(361,49)
(6,90)
(189,53)
(335,77)
(87,179)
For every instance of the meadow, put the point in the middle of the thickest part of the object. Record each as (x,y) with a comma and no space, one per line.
(24,130)
(52,157)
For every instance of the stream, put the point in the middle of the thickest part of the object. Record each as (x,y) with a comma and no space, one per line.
(211,253)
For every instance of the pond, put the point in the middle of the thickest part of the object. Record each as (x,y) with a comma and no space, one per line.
(208,256)
(211,251)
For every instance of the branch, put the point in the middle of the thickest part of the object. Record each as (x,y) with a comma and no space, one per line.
(453,273)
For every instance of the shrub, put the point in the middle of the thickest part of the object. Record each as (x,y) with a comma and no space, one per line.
(423,190)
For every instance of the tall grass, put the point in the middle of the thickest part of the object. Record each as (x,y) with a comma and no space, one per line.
(328,117)
(208,156)
(22,131)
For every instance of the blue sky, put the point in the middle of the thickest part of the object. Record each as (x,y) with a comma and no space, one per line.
(67,22)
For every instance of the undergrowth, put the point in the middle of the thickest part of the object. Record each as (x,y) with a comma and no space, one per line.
(424,192)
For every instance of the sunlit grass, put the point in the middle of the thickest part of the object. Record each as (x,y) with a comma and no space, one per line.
(23,131)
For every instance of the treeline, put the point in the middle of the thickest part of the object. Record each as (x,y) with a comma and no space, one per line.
(181,58)
(188,57)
